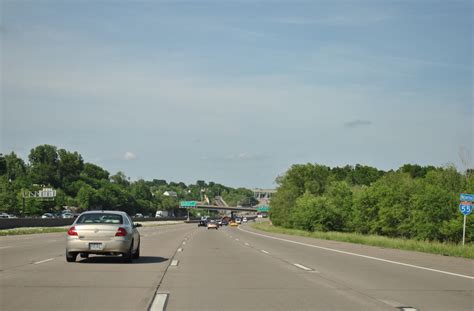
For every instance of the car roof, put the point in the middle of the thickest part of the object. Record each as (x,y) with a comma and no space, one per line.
(108,212)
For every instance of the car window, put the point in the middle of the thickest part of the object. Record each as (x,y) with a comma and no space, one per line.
(100,218)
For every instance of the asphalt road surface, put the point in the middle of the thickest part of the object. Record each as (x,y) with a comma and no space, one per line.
(184,267)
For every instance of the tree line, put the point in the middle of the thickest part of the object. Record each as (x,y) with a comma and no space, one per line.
(89,186)
(416,202)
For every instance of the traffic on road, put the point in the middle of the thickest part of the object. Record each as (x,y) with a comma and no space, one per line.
(171,264)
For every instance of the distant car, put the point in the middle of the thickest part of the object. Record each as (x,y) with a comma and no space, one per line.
(238,221)
(67,215)
(219,222)
(138,215)
(234,224)
(225,222)
(212,225)
(260,216)
(47,215)
(103,233)
(4,215)
(11,216)
(244,220)
(202,223)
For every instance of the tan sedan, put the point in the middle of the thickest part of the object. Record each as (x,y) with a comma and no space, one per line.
(212,225)
(103,233)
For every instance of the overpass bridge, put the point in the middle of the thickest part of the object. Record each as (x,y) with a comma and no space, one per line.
(226,208)
(195,204)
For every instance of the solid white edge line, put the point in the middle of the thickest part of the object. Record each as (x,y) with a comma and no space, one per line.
(302,267)
(363,256)
(264,251)
(46,260)
(174,262)
(159,302)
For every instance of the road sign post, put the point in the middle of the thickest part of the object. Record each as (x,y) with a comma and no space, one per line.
(466,209)
(187,205)
(464,230)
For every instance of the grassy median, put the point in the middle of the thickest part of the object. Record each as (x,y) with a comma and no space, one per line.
(445,249)
(20,231)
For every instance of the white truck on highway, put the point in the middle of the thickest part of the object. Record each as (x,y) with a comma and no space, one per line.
(161,214)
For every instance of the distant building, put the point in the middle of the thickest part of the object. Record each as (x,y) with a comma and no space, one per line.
(263,193)
(170,194)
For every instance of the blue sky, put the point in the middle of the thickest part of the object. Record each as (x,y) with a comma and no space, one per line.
(237,91)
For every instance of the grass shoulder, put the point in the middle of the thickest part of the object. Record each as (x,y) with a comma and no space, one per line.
(445,249)
(21,231)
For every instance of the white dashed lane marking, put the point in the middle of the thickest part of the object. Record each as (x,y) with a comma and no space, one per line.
(302,267)
(159,302)
(362,256)
(43,261)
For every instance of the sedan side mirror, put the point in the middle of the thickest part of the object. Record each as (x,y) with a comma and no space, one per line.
(137,225)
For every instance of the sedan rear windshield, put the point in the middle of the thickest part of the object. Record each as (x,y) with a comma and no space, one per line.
(100,218)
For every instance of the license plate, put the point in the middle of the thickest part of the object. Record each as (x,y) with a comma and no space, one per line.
(95,246)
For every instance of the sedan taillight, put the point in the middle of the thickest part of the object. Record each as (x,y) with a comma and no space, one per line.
(72,231)
(121,232)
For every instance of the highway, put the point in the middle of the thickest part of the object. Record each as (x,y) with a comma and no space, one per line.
(184,267)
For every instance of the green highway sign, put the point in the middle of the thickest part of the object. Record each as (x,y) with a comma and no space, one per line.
(187,204)
(263,208)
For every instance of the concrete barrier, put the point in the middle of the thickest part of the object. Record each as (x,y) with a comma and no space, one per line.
(58,222)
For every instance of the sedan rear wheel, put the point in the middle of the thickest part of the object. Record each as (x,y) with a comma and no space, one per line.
(127,257)
(71,256)
(136,255)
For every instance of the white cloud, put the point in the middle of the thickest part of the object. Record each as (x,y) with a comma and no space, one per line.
(361,18)
(357,123)
(128,156)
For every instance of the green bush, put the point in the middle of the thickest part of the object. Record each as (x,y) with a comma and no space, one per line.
(413,202)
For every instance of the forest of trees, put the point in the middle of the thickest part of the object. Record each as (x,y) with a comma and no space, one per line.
(413,202)
(88,186)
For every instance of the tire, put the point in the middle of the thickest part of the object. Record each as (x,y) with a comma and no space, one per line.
(128,256)
(84,255)
(71,256)
(136,255)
